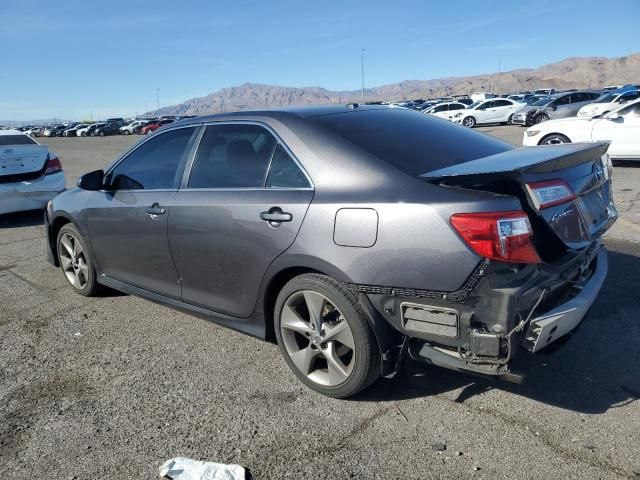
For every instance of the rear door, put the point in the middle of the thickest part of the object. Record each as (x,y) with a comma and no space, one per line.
(503,110)
(128,220)
(623,132)
(240,208)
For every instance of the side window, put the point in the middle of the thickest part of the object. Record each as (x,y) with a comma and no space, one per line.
(155,164)
(580,97)
(284,172)
(503,103)
(232,156)
(456,106)
(486,105)
(562,101)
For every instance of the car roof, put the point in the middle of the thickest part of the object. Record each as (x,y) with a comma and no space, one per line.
(301,111)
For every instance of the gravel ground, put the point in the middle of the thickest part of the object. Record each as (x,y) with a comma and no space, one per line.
(111,387)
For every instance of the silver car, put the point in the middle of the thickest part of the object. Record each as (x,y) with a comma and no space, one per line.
(30,174)
(350,235)
(560,105)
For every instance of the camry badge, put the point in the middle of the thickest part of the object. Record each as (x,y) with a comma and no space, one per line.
(598,172)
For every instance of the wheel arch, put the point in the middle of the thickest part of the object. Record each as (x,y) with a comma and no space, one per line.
(56,224)
(554,133)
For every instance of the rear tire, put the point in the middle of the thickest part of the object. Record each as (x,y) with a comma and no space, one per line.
(76,263)
(344,357)
(469,122)
(554,139)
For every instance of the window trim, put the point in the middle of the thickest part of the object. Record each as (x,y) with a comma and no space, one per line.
(197,131)
(187,171)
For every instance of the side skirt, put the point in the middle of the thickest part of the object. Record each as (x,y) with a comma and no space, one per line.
(253,325)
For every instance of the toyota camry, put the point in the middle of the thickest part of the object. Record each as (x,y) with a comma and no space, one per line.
(352,236)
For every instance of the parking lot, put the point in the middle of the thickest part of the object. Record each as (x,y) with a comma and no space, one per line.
(111,387)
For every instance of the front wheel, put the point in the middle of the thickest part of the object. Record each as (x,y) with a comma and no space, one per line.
(101,134)
(543,117)
(469,122)
(554,139)
(325,336)
(75,261)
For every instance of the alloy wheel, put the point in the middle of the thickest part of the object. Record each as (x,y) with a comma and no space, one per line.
(317,338)
(73,261)
(469,122)
(553,140)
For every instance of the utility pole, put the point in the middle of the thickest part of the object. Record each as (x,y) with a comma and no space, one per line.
(499,72)
(362,63)
(157,99)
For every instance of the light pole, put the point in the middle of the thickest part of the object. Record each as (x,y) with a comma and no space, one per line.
(362,64)
(157,99)
(499,72)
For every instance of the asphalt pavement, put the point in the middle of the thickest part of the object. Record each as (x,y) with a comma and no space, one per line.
(111,387)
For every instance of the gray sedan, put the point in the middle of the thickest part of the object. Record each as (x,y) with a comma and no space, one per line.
(352,236)
(560,105)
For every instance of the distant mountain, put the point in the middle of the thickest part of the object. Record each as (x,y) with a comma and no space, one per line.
(589,72)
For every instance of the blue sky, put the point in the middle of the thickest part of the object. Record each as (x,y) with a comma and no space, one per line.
(69,58)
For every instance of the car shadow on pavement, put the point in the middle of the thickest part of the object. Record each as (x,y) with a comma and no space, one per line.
(31,218)
(595,369)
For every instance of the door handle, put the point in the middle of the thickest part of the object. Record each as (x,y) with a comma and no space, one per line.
(276,215)
(155,210)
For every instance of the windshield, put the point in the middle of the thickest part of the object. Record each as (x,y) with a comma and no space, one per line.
(606,98)
(475,104)
(541,102)
(412,142)
(16,140)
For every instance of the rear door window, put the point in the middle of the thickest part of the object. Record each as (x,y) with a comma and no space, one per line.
(284,172)
(232,156)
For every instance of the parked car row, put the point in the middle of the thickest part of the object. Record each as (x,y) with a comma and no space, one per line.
(111,126)
(526,108)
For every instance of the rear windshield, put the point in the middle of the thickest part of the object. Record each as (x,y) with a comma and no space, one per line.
(16,140)
(410,141)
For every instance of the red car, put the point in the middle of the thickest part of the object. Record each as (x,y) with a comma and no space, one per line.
(149,129)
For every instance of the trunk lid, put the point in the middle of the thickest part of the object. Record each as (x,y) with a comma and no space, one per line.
(573,224)
(22,159)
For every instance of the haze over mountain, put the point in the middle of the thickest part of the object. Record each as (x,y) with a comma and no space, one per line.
(575,72)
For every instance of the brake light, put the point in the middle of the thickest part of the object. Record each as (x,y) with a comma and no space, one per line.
(549,193)
(53,166)
(502,236)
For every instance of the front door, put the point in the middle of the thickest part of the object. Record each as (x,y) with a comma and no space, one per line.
(622,131)
(127,221)
(242,207)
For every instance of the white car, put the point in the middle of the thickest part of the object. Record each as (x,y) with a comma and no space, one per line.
(131,127)
(496,110)
(445,110)
(30,174)
(83,132)
(621,127)
(607,103)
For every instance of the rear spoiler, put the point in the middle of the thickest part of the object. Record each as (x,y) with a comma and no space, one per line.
(541,159)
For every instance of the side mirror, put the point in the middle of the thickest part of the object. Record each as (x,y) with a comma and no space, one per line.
(92,181)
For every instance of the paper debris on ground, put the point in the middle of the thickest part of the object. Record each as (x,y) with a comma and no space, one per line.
(181,468)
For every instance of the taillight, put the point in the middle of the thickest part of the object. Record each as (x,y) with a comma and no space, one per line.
(549,193)
(502,236)
(53,166)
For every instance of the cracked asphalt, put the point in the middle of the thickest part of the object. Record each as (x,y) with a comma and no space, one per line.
(111,387)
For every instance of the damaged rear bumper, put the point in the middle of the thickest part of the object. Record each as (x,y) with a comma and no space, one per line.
(556,323)
(533,315)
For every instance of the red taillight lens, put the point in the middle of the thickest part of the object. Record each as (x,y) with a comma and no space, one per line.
(502,236)
(549,193)
(53,166)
